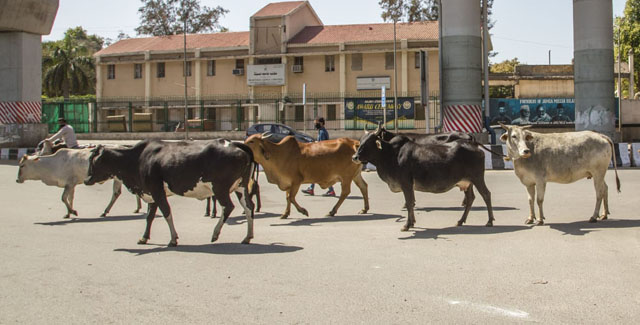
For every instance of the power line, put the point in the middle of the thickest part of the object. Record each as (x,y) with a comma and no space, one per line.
(531,42)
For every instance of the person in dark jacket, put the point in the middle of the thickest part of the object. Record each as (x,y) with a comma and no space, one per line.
(322,135)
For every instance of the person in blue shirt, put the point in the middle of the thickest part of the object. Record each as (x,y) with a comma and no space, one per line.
(322,135)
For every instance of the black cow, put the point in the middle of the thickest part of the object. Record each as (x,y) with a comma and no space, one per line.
(153,169)
(406,165)
(253,191)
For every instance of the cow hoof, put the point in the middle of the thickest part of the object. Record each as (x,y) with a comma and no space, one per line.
(604,217)
(103,215)
(74,212)
(247,240)
(459,223)
(331,214)
(405,228)
(593,219)
(136,211)
(172,244)
(305,212)
(489,224)
(66,216)
(528,221)
(142,241)
(258,210)
(207,215)
(540,222)
(284,216)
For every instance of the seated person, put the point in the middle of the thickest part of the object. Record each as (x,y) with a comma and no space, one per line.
(66,134)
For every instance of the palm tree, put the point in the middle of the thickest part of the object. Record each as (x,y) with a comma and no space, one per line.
(67,68)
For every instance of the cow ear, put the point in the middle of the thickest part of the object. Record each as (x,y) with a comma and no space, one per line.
(504,137)
(36,159)
(528,136)
(379,144)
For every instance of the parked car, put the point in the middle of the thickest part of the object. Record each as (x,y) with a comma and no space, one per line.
(278,131)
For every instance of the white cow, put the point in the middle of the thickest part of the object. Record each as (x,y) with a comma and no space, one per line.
(563,158)
(65,168)
(47,147)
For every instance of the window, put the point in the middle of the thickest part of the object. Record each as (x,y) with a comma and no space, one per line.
(188,69)
(419,112)
(160,72)
(298,60)
(417,60)
(240,64)
(331,112)
(299,113)
(356,62)
(111,71)
(137,71)
(211,68)
(388,61)
(329,63)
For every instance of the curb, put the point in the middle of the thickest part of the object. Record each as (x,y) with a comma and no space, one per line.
(15,153)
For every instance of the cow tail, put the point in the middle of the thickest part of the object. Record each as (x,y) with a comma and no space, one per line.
(478,144)
(615,163)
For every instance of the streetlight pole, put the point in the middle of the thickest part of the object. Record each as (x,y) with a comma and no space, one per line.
(186,124)
(395,81)
(619,79)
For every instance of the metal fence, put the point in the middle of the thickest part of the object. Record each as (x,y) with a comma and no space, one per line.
(224,113)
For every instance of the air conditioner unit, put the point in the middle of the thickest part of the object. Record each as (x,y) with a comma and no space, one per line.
(238,72)
(296,68)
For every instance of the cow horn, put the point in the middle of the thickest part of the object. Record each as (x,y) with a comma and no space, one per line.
(365,128)
(267,135)
(526,126)
(503,126)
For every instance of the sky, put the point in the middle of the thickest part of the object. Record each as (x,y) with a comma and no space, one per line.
(524,29)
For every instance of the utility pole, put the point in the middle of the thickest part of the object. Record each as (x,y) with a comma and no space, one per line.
(395,80)
(186,124)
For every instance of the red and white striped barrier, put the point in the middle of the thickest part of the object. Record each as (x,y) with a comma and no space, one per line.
(20,112)
(464,118)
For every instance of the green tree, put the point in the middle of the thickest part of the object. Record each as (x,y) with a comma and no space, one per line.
(166,17)
(506,66)
(628,27)
(67,64)
(417,10)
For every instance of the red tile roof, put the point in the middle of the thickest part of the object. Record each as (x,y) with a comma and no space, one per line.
(366,33)
(175,42)
(278,8)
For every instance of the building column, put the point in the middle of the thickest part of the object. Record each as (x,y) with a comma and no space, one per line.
(593,67)
(461,66)
(404,90)
(147,76)
(343,74)
(198,75)
(98,78)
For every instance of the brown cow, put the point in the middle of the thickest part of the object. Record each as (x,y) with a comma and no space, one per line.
(290,163)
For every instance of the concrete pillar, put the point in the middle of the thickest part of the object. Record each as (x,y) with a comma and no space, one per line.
(593,67)
(147,76)
(461,66)
(404,88)
(632,84)
(99,78)
(198,74)
(343,74)
(20,67)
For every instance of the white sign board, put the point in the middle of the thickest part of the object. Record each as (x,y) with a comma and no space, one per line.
(374,83)
(265,75)
(384,97)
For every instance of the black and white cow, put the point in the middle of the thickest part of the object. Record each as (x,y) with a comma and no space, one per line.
(253,191)
(406,165)
(154,169)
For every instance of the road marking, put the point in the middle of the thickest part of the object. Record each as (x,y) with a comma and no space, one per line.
(515,313)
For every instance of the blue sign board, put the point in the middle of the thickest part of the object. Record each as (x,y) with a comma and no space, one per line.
(361,112)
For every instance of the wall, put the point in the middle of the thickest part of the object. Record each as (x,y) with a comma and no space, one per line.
(267,35)
(317,80)
(22,135)
(224,82)
(124,85)
(544,88)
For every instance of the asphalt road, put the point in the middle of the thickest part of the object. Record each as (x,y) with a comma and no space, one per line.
(345,269)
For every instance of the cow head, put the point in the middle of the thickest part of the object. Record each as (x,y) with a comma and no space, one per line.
(369,148)
(257,144)
(97,167)
(25,167)
(517,139)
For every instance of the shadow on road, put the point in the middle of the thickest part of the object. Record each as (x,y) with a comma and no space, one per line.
(463,230)
(220,249)
(461,208)
(581,228)
(304,221)
(92,220)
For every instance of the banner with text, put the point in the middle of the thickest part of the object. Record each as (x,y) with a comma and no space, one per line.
(361,112)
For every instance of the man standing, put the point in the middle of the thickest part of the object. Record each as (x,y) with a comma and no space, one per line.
(66,133)
(524,116)
(322,135)
(542,115)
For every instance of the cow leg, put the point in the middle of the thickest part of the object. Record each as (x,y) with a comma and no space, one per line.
(410,201)
(540,189)
(72,192)
(486,197)
(151,214)
(214,213)
(601,189)
(65,195)
(207,209)
(345,189)
(255,190)
(117,190)
(364,189)
(227,207)
(138,205)
(605,197)
(163,204)
(531,191)
(469,197)
(292,198)
(247,205)
(287,209)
